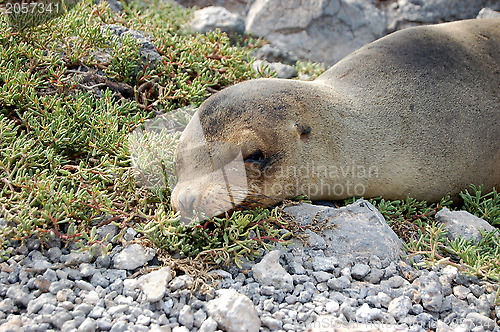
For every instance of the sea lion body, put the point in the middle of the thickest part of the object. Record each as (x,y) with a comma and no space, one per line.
(416,112)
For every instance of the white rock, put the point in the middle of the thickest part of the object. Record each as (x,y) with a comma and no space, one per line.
(269,272)
(332,306)
(186,316)
(367,314)
(234,312)
(487,13)
(209,325)
(132,257)
(154,284)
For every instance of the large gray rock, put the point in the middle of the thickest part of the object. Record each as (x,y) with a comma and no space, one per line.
(462,224)
(405,13)
(234,312)
(359,230)
(211,18)
(234,6)
(320,31)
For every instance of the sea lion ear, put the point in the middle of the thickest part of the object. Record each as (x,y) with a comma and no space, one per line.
(303,130)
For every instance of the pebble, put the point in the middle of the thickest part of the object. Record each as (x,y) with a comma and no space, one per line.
(101,295)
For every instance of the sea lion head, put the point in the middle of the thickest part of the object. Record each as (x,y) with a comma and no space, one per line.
(243,145)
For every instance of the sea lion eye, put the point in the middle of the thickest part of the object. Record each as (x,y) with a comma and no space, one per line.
(255,157)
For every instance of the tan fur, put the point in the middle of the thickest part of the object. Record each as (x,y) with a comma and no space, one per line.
(416,112)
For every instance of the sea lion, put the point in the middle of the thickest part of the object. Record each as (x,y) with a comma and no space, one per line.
(416,112)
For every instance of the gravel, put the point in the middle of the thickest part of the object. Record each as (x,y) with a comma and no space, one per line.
(291,290)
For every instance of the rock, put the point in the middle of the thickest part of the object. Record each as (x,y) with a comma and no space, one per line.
(186,317)
(209,325)
(400,307)
(359,271)
(235,6)
(132,257)
(115,5)
(271,323)
(211,18)
(154,284)
(327,264)
(281,70)
(320,31)
(359,230)
(272,53)
(234,312)
(183,281)
(35,305)
(269,272)
(17,293)
(434,11)
(109,230)
(462,224)
(487,13)
(147,49)
(430,290)
(88,325)
(367,314)
(481,320)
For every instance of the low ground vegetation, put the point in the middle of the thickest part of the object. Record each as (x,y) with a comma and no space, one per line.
(65,116)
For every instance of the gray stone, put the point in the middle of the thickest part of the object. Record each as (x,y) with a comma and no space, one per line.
(186,317)
(272,323)
(132,257)
(88,325)
(35,305)
(367,314)
(400,307)
(7,306)
(339,283)
(320,31)
(234,311)
(272,53)
(269,272)
(359,231)
(199,317)
(328,264)
(481,320)
(84,285)
(462,224)
(76,258)
(487,13)
(209,325)
(322,276)
(19,295)
(267,68)
(461,292)
(59,318)
(183,281)
(211,18)
(359,271)
(114,5)
(430,290)
(434,11)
